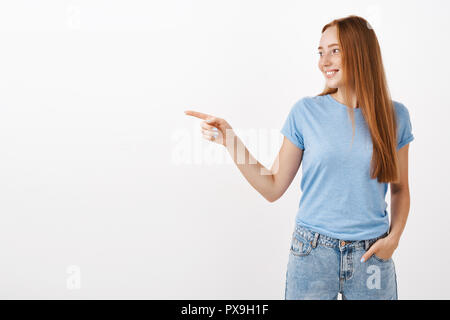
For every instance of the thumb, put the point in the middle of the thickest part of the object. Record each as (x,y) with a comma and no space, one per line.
(211,120)
(214,121)
(368,254)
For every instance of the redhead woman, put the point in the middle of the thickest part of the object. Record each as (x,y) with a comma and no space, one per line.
(352,140)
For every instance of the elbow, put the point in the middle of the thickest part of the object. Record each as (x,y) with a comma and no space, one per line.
(272,198)
(274,194)
(400,190)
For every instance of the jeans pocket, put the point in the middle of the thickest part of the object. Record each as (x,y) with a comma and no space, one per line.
(299,246)
(380,259)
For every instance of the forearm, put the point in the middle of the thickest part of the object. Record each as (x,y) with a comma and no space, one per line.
(254,172)
(400,203)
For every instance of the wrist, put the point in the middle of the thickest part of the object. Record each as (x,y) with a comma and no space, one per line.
(230,138)
(394,239)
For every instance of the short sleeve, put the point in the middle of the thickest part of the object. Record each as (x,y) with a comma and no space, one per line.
(404,128)
(292,128)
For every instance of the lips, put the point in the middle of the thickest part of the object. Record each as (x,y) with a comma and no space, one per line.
(330,73)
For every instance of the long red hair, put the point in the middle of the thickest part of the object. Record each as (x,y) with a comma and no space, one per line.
(363,74)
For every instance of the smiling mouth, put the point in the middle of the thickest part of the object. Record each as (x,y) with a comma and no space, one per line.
(331,73)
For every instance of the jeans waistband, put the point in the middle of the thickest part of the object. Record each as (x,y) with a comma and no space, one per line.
(317,238)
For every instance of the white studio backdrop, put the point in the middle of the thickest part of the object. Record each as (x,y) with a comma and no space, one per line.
(109,191)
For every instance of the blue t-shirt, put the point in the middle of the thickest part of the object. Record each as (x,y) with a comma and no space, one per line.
(339,199)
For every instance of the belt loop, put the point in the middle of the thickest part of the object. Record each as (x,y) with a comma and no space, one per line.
(366,245)
(316,236)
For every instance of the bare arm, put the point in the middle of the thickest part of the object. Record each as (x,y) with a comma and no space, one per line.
(271,184)
(286,166)
(400,198)
(385,247)
(254,172)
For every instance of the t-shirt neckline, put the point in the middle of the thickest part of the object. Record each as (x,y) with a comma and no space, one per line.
(341,104)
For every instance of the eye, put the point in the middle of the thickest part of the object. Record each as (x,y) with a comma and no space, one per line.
(319,53)
(335,51)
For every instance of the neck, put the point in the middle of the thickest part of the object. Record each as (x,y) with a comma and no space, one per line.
(340,97)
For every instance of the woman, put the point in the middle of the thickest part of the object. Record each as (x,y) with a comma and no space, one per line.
(353,140)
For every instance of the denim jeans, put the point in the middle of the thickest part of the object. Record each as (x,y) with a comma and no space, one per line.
(320,267)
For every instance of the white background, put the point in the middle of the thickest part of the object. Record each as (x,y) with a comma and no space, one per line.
(96,201)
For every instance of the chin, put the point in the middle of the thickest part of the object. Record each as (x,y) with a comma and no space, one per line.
(332,85)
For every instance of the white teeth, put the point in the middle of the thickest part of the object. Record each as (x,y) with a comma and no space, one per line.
(331,72)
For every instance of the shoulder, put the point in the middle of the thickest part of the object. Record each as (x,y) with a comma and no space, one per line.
(404,128)
(399,107)
(307,102)
(401,111)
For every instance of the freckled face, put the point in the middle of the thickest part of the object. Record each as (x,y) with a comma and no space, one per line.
(330,58)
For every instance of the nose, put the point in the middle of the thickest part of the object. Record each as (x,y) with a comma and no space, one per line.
(326,60)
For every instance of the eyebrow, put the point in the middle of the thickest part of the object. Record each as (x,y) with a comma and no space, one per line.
(333,44)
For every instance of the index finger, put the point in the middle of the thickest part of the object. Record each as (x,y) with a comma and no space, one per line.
(197,114)
(366,256)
